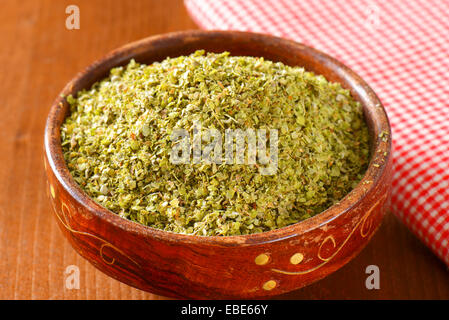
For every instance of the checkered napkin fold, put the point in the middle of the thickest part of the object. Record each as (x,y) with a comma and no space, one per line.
(401,48)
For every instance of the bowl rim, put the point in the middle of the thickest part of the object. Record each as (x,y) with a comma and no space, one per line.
(54,155)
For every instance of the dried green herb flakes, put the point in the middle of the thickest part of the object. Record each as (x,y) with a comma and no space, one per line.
(117,144)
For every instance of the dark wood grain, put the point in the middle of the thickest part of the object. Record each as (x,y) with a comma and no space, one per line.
(38,57)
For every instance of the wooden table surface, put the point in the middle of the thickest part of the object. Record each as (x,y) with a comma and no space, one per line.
(38,56)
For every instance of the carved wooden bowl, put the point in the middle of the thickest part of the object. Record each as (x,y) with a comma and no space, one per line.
(250,266)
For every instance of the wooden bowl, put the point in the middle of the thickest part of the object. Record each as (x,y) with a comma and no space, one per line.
(249,266)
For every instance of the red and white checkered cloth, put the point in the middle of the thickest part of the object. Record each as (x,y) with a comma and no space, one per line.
(401,48)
